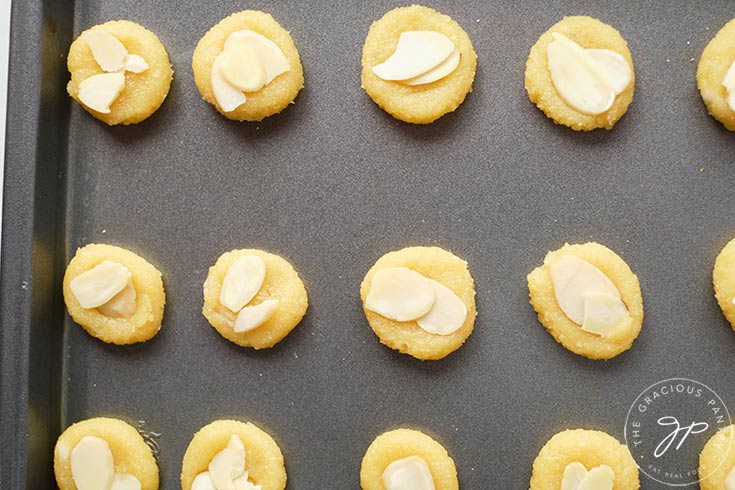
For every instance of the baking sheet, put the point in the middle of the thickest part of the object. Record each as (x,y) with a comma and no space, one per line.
(332,184)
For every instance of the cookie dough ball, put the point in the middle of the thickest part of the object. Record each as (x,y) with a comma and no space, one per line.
(142,93)
(716,60)
(409,337)
(130,453)
(570,334)
(132,315)
(405,443)
(280,283)
(723,278)
(263,458)
(717,460)
(588,33)
(592,449)
(424,103)
(275,95)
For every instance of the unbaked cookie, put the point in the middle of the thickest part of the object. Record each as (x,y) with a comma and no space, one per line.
(420,301)
(417,64)
(717,461)
(120,72)
(409,452)
(716,76)
(588,299)
(575,454)
(103,450)
(723,278)
(114,294)
(247,66)
(580,74)
(227,450)
(253,298)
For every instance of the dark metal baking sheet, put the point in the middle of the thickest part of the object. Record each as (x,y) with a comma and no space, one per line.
(332,184)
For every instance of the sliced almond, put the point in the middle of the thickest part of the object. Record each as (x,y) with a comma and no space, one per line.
(98,92)
(614,67)
(416,53)
(400,294)
(228,97)
(447,314)
(730,479)
(411,473)
(242,282)
(603,313)
(135,63)
(242,483)
(242,69)
(576,77)
(572,277)
(729,83)
(125,481)
(574,473)
(203,482)
(92,466)
(100,284)
(108,51)
(228,464)
(442,70)
(251,317)
(122,305)
(273,60)
(598,478)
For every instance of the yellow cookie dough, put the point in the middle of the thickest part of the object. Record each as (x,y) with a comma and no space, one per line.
(272,98)
(407,337)
(419,104)
(402,443)
(129,450)
(723,278)
(590,34)
(150,296)
(564,330)
(281,282)
(591,448)
(717,459)
(263,458)
(713,65)
(144,92)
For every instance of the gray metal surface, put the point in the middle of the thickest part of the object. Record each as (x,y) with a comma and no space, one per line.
(332,184)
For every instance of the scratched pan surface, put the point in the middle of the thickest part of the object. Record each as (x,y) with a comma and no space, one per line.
(333,183)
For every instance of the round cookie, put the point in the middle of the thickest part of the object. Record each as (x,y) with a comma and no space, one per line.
(263,458)
(407,337)
(564,330)
(144,92)
(717,459)
(419,104)
(150,296)
(402,443)
(713,65)
(272,98)
(723,279)
(589,33)
(129,450)
(281,282)
(591,448)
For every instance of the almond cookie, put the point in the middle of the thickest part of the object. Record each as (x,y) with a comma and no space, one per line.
(717,461)
(120,72)
(247,66)
(420,301)
(723,279)
(417,64)
(114,294)
(588,299)
(580,74)
(716,76)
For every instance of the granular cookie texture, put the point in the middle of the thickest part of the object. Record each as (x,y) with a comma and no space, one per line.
(723,279)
